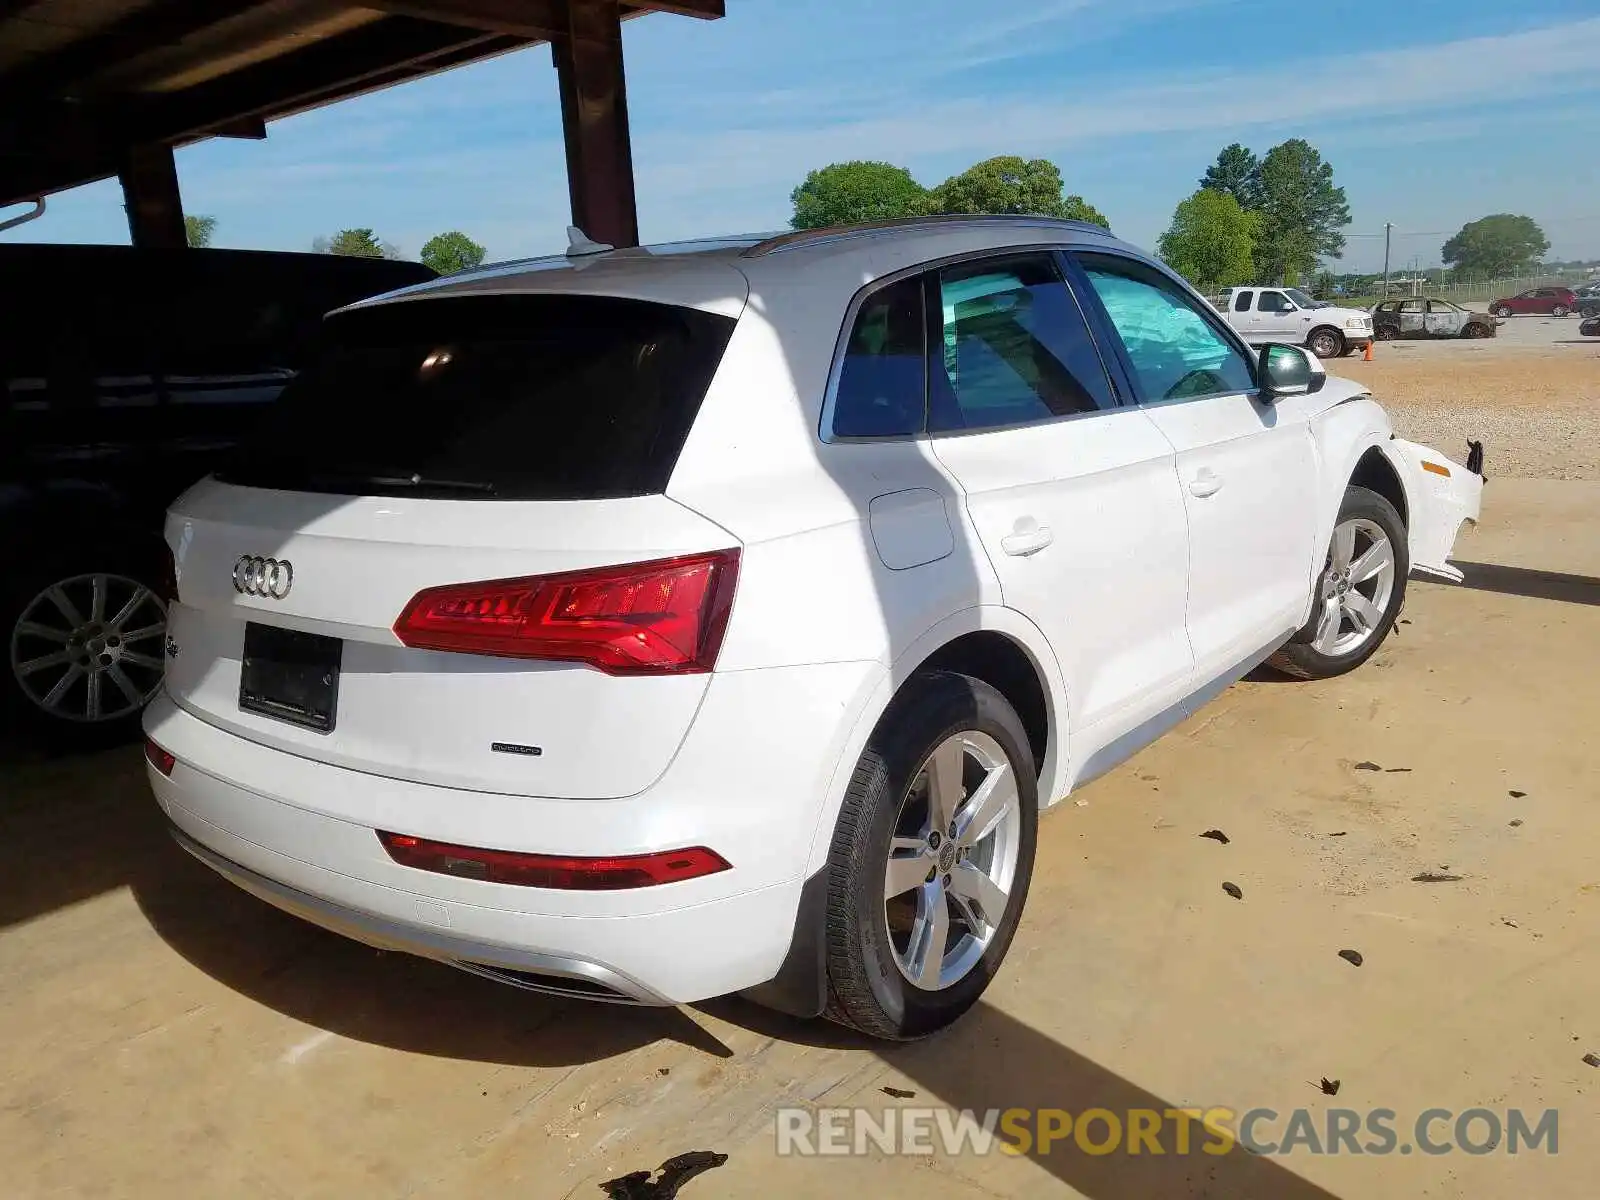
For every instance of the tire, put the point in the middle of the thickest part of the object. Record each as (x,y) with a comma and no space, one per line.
(1326,343)
(1321,652)
(41,646)
(1475,330)
(1560,310)
(1384,333)
(1501,310)
(889,800)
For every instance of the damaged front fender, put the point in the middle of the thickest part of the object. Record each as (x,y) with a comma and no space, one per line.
(1442,495)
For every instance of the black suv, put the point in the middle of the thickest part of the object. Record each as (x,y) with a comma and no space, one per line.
(125,376)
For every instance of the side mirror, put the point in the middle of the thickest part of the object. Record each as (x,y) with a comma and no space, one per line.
(1287,371)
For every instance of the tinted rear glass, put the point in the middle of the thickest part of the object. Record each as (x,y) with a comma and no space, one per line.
(507,397)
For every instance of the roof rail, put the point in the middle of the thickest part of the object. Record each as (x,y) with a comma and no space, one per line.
(835,233)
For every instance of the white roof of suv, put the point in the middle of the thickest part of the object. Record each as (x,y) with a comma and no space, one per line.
(717,274)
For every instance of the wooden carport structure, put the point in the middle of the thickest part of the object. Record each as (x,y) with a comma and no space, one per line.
(95,88)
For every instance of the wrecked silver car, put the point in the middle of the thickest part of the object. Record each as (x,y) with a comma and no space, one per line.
(1421,317)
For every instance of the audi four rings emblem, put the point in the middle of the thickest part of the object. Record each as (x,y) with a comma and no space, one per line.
(267,577)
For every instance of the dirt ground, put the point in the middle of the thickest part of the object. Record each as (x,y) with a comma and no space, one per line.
(162,1034)
(1531,395)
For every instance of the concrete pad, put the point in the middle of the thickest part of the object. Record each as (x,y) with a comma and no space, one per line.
(162,1034)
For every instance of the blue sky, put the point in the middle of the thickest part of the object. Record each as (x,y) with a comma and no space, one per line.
(1433,113)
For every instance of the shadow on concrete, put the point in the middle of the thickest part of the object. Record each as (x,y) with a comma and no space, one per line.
(1524,581)
(71,826)
(74,827)
(382,998)
(991,1060)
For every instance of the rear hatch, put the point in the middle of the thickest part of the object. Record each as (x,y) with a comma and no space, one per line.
(448,441)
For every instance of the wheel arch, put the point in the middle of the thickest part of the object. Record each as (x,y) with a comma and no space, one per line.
(988,641)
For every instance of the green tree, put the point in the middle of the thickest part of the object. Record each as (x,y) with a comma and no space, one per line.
(448,253)
(1236,172)
(356,243)
(1501,244)
(1302,213)
(850,192)
(1009,184)
(1211,241)
(198,230)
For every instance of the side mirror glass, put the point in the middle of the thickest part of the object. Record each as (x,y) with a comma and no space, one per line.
(1287,371)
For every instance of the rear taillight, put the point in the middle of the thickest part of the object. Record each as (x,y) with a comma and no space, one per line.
(552,871)
(652,618)
(158,758)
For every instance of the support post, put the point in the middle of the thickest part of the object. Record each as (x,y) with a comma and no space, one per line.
(150,195)
(594,121)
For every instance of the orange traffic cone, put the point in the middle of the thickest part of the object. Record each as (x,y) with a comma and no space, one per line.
(1368,355)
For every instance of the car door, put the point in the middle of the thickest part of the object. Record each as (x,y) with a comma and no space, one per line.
(1072,494)
(1413,321)
(1248,470)
(1250,324)
(1443,319)
(1280,320)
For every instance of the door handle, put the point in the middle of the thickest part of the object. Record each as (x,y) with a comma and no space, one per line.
(1027,542)
(1206,483)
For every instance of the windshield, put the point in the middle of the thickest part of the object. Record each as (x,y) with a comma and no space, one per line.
(516,397)
(1303,300)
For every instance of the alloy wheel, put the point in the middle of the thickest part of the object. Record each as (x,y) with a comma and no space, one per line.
(952,860)
(1355,588)
(88,649)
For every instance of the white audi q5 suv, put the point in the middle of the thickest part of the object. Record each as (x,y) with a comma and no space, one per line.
(648,625)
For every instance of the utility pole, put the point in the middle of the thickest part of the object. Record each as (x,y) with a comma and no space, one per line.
(1387,226)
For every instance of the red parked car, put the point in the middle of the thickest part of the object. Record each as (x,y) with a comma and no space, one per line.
(1545,301)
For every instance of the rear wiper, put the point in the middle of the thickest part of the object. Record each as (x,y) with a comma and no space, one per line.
(428,483)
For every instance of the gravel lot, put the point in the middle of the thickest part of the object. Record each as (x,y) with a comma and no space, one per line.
(1531,395)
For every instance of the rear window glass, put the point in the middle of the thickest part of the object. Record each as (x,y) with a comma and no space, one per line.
(508,397)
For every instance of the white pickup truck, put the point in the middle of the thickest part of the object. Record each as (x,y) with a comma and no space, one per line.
(1286,314)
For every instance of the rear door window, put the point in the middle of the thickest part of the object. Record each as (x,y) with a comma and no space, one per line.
(1014,348)
(528,397)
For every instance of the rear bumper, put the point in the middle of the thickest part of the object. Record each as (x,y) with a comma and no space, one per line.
(749,783)
(556,974)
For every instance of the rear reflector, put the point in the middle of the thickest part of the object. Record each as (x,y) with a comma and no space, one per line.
(158,758)
(652,618)
(551,871)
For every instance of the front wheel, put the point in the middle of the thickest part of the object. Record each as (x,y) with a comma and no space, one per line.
(1359,592)
(931,859)
(1326,343)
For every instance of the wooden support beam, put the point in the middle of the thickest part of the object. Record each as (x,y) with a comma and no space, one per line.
(706,10)
(594,122)
(536,20)
(150,196)
(64,72)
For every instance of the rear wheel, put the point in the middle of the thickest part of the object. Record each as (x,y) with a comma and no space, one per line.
(1476,330)
(1326,343)
(1560,310)
(1359,592)
(931,859)
(1502,310)
(1384,333)
(84,635)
